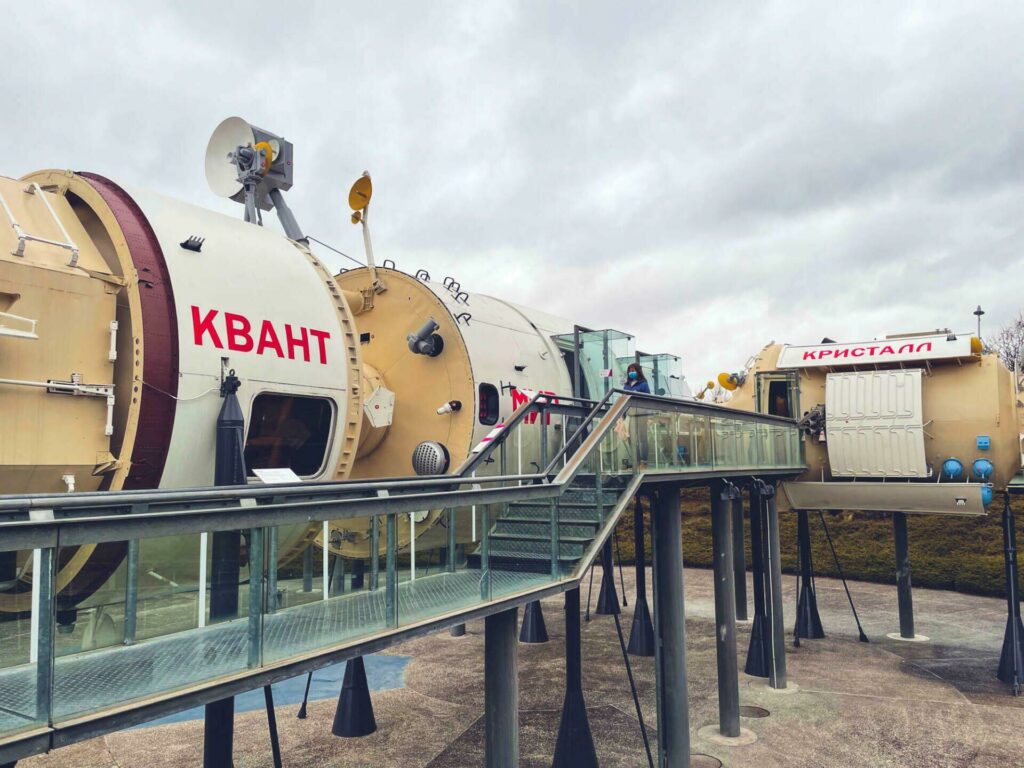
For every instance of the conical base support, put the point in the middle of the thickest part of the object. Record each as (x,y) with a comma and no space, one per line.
(533,630)
(607,599)
(354,716)
(575,745)
(641,637)
(1006,665)
(757,653)
(808,622)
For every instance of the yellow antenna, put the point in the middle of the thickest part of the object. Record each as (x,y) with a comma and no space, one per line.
(728,381)
(359,201)
(361,192)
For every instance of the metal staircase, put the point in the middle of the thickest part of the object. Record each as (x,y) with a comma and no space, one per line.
(521,537)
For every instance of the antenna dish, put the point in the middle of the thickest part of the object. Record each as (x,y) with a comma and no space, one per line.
(361,192)
(221,174)
(727,381)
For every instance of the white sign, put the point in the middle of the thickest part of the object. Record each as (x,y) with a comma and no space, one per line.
(277,475)
(906,349)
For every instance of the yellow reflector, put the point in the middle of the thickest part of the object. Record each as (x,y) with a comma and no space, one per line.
(361,192)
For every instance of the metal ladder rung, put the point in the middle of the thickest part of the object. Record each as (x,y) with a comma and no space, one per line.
(24,237)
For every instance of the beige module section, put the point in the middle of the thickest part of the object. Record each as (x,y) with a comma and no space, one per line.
(57,317)
(960,400)
(384,319)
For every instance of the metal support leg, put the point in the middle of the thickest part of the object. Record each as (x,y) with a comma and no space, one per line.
(773,592)
(607,600)
(354,715)
(739,558)
(808,622)
(501,689)
(534,630)
(1011,660)
(904,595)
(575,745)
(641,637)
(275,745)
(669,613)
(758,652)
(722,505)
(219,733)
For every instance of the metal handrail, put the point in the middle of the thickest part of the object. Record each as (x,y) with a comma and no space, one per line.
(675,404)
(599,406)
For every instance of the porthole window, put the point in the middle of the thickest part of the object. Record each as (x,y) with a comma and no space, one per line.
(289,431)
(489,404)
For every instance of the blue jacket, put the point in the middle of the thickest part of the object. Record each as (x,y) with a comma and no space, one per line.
(637,386)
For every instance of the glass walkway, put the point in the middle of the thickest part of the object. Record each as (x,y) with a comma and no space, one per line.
(104,622)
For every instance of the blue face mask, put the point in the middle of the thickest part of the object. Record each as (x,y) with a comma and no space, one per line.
(633,375)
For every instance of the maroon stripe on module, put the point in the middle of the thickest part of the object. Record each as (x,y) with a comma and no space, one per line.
(159,337)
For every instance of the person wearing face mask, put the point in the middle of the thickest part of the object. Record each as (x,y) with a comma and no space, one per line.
(637,382)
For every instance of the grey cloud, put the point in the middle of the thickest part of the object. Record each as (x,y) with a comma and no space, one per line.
(709,178)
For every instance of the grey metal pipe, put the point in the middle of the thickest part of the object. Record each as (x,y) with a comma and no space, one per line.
(739,558)
(669,628)
(773,592)
(131,592)
(255,598)
(307,567)
(722,506)
(501,689)
(272,551)
(45,640)
(391,572)
(285,216)
(375,548)
(904,593)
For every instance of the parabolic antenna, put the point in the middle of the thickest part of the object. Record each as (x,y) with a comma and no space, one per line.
(221,174)
(360,194)
(727,380)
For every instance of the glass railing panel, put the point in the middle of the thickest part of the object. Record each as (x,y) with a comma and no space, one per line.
(300,615)
(297,569)
(450,575)
(22,608)
(181,614)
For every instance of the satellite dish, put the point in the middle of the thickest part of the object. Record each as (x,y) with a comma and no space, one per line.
(221,174)
(727,381)
(360,194)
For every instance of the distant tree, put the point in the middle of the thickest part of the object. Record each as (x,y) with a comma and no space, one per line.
(1008,341)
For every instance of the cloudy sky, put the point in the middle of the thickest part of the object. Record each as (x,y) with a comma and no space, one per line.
(707,176)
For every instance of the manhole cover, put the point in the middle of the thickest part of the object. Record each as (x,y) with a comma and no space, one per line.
(704,761)
(750,711)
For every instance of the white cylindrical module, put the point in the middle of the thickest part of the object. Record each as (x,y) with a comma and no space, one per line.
(162,300)
(491,353)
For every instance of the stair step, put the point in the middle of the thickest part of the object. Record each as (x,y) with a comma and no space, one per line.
(537,547)
(537,530)
(570,514)
(522,565)
(517,536)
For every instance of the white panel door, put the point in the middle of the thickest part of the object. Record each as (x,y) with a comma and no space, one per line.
(874,424)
